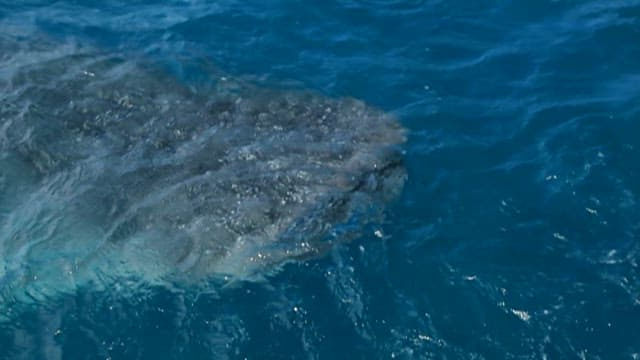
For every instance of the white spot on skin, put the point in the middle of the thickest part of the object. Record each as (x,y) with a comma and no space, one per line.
(523,315)
(559,236)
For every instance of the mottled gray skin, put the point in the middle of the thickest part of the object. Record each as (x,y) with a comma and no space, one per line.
(111,170)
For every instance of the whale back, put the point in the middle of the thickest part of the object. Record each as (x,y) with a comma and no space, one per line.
(113,168)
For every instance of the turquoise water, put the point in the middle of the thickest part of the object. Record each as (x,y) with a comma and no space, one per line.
(516,235)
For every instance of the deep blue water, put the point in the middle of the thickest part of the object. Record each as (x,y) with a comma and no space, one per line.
(517,233)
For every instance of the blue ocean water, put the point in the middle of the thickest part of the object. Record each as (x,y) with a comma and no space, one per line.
(516,235)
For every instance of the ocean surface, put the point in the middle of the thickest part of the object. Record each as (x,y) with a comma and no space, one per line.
(517,232)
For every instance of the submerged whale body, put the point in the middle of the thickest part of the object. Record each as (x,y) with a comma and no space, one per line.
(112,170)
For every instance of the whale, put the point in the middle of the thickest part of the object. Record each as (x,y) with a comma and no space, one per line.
(113,169)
